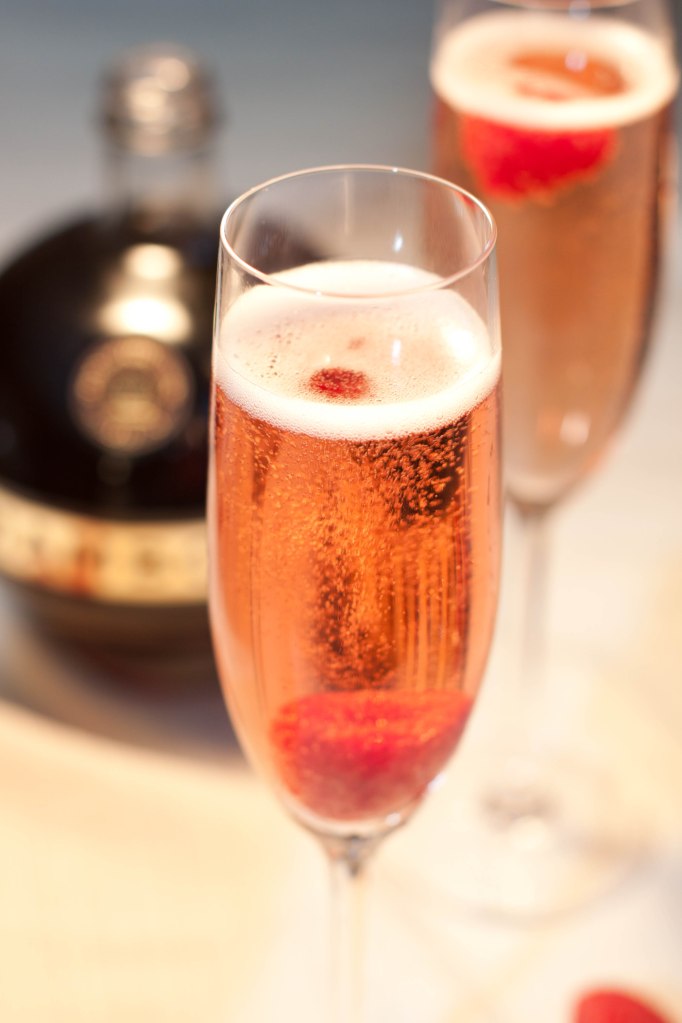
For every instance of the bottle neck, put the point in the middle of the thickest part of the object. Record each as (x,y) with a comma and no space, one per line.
(159,192)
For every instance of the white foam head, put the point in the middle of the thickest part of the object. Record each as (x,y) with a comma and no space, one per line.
(425,351)
(470,69)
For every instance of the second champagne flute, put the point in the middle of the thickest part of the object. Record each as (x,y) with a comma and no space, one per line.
(558,114)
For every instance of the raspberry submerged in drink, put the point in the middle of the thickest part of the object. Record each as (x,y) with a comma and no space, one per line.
(514,158)
(512,162)
(365,753)
(614,1007)
(336,382)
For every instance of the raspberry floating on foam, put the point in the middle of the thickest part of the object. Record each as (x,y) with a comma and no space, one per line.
(336,382)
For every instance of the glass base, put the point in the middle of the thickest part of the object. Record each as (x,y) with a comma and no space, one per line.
(543,838)
(531,834)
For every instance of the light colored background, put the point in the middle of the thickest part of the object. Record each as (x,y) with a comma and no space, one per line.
(144,874)
(303,82)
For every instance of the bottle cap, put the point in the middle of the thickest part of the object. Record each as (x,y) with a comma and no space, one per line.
(158,99)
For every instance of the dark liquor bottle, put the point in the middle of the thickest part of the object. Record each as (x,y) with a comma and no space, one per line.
(104,384)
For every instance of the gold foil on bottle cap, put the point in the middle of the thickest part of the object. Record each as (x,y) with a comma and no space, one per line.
(157,99)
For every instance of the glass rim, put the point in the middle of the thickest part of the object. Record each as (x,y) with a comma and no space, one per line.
(275,279)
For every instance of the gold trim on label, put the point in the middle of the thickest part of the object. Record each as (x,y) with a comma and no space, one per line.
(106,560)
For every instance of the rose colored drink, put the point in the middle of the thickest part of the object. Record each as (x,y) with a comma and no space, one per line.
(356,516)
(563,128)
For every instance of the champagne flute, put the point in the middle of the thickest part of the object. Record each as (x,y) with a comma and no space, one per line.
(558,114)
(354,518)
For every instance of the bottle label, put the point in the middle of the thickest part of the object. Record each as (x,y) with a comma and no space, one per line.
(102,559)
(132,395)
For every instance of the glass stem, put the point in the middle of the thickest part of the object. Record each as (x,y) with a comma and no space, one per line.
(347,861)
(521,795)
(530,669)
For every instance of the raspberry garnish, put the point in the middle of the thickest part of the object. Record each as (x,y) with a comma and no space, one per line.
(609,1006)
(365,753)
(512,162)
(336,382)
